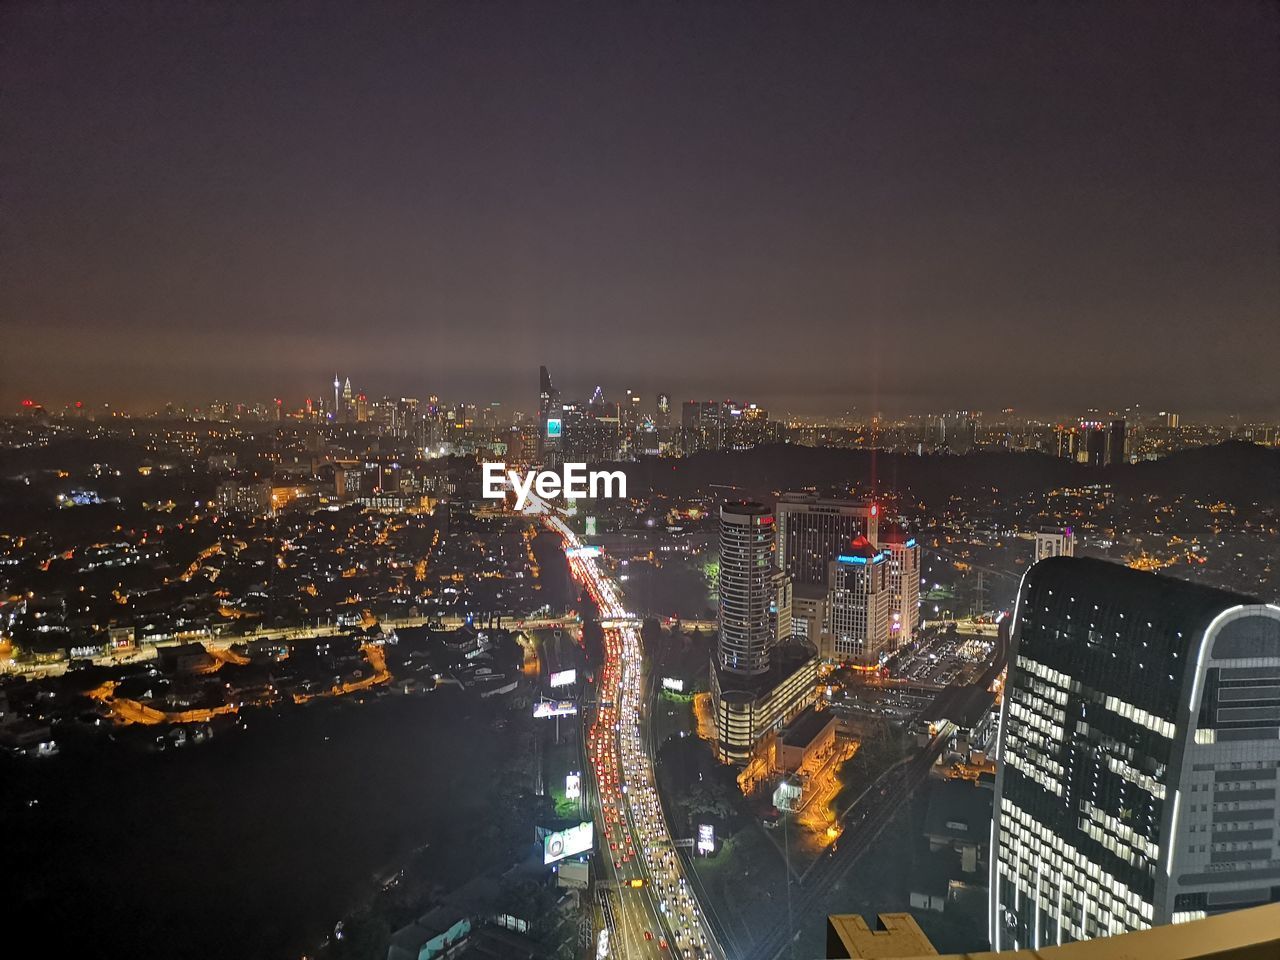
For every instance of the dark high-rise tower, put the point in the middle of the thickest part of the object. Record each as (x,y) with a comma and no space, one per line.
(1139,751)
(549,420)
(1115,442)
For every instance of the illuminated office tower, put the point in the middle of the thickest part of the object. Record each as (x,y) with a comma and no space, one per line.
(662,411)
(747,587)
(602,430)
(759,679)
(813,531)
(702,426)
(1139,749)
(780,607)
(859,606)
(747,426)
(904,583)
(1070,442)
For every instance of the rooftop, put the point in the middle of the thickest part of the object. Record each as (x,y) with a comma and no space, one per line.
(805,728)
(1252,934)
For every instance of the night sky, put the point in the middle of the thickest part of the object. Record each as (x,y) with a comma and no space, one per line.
(899,206)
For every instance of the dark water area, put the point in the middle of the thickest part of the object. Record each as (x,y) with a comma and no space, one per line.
(558,588)
(250,846)
(676,589)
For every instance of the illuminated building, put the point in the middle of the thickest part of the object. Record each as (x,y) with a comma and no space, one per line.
(958,431)
(1093,449)
(255,499)
(549,419)
(759,680)
(1054,542)
(663,433)
(859,606)
(1139,751)
(808,612)
(602,430)
(749,709)
(662,411)
(631,421)
(807,742)
(812,532)
(747,426)
(747,587)
(1069,439)
(701,426)
(904,583)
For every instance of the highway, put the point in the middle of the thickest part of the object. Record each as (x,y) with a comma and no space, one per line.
(649,909)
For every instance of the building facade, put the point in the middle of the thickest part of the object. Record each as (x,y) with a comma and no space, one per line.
(1054,542)
(748,588)
(904,584)
(759,679)
(859,606)
(749,709)
(550,420)
(813,531)
(1139,748)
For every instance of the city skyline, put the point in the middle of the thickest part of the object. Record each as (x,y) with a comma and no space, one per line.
(1086,217)
(615,481)
(583,387)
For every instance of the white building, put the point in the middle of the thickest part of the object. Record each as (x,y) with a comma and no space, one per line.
(904,584)
(859,606)
(1054,542)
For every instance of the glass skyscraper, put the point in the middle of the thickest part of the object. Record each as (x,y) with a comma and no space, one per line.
(1139,749)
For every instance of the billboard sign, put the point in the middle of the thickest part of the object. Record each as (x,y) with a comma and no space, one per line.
(706,838)
(554,708)
(553,427)
(572,786)
(673,684)
(567,843)
(563,678)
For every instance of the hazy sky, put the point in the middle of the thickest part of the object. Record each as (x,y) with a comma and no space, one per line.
(896,205)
